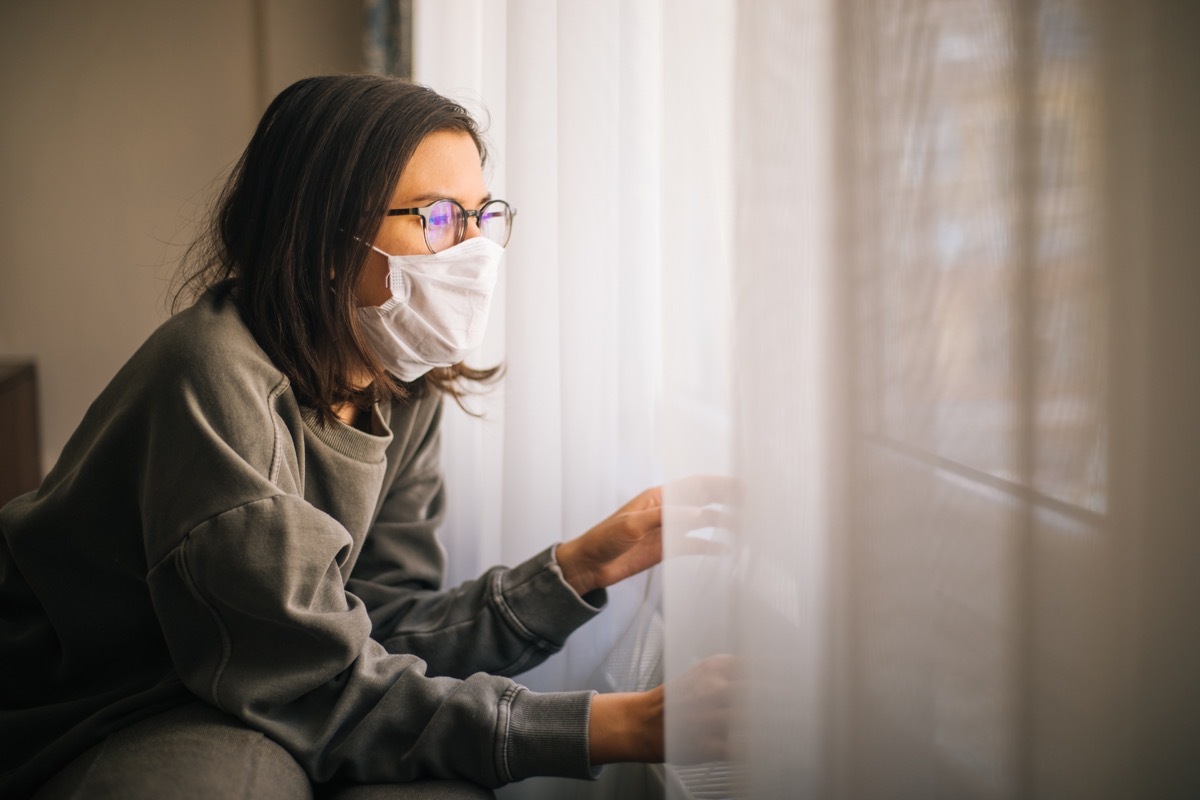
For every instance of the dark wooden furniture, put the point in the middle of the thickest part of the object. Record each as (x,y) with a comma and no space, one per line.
(20,467)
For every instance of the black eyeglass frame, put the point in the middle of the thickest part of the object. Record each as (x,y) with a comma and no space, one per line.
(424,212)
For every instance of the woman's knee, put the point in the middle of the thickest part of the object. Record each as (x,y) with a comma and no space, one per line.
(194,751)
(420,790)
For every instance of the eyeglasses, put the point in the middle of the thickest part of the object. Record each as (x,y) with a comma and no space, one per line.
(445,222)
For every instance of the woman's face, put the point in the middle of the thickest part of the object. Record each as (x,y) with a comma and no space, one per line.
(445,164)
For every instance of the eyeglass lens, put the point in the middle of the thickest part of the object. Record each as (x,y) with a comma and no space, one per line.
(445,224)
(495,221)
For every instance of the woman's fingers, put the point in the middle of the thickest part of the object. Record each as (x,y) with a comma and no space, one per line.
(630,540)
(635,524)
(692,518)
(704,490)
(703,701)
(697,546)
(647,499)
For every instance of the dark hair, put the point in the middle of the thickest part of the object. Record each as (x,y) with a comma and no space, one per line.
(313,185)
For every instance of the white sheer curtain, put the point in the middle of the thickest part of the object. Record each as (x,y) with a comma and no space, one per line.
(573,113)
(570,435)
(966,293)
(923,274)
(617,158)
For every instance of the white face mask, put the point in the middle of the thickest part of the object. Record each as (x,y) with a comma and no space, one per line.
(438,310)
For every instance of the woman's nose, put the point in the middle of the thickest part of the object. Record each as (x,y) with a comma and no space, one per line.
(472,229)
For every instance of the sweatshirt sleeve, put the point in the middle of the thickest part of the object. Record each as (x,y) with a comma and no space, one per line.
(258,623)
(505,622)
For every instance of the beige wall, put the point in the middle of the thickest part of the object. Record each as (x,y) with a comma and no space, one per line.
(116,118)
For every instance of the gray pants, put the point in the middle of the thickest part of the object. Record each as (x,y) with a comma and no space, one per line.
(196,751)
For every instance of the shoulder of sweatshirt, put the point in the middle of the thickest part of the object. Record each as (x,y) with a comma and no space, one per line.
(207,348)
(197,405)
(202,380)
(200,374)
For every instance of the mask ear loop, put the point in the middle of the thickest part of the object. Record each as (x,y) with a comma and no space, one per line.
(401,292)
(387,281)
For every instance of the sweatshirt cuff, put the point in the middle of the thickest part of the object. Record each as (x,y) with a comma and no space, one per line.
(547,734)
(543,603)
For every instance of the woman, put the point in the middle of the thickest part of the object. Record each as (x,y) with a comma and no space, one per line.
(239,538)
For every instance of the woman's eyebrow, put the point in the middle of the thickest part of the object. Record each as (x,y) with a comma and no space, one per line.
(429,197)
(423,199)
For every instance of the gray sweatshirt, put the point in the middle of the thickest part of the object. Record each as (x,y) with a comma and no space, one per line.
(204,535)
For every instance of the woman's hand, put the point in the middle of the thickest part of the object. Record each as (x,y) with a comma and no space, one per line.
(628,726)
(701,705)
(631,540)
(624,544)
